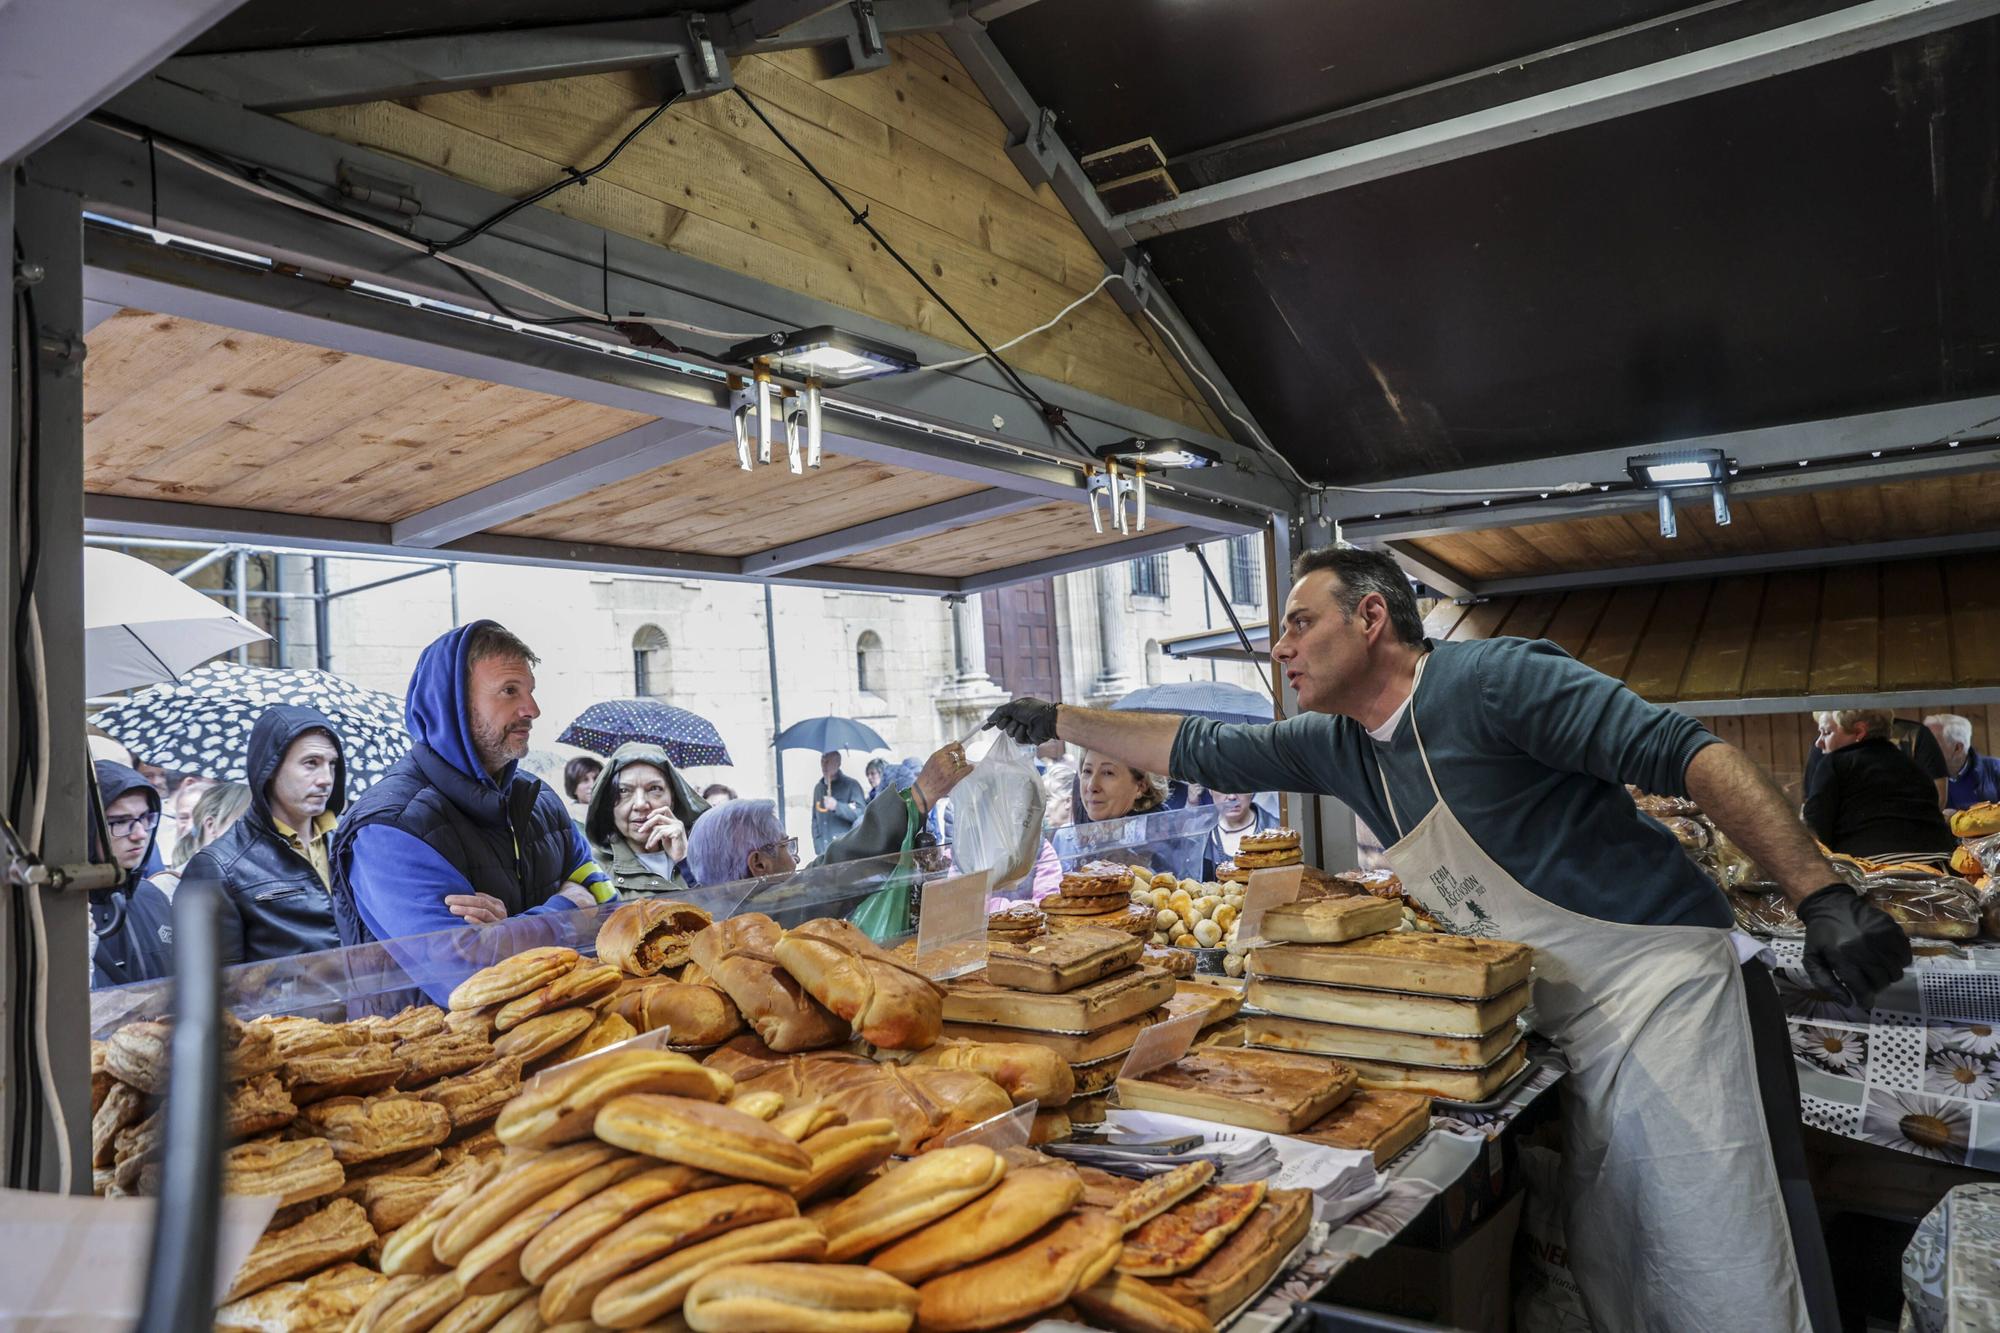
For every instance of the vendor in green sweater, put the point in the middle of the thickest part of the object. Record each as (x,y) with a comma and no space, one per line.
(1494,773)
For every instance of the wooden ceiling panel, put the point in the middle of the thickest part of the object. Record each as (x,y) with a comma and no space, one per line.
(1839,516)
(175,409)
(708,505)
(1036,534)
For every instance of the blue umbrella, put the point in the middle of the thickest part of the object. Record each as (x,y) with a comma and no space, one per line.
(1201,698)
(688,738)
(821,734)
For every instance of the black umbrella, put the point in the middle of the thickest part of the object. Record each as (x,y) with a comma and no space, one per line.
(821,734)
(688,738)
(201,723)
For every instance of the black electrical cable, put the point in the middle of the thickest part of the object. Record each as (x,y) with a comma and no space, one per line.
(1050,413)
(26,499)
(574,177)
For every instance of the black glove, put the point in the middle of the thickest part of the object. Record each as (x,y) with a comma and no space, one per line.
(1852,946)
(1029,721)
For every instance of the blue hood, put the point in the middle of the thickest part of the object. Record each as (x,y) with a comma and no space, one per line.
(114,781)
(434,708)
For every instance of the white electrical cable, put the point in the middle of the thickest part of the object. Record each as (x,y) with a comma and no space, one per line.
(397,238)
(1054,320)
(36,813)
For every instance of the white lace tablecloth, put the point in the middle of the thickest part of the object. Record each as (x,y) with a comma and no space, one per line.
(1951,1271)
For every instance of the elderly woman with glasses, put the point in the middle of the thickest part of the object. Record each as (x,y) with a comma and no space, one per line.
(747,840)
(638,820)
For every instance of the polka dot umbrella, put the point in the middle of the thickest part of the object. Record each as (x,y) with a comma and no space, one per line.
(201,723)
(688,738)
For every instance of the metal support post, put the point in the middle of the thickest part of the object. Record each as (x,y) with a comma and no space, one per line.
(48,227)
(239,571)
(452,568)
(322,621)
(777,714)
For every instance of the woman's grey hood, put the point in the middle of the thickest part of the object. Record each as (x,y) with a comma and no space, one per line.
(600,825)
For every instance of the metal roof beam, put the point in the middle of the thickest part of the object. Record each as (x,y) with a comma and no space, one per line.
(343,73)
(1727,566)
(59,59)
(129,517)
(1816,703)
(1730,64)
(607,462)
(1837,451)
(1132,548)
(1432,573)
(943,516)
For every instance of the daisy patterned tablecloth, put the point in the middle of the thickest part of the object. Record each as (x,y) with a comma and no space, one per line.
(1920,1072)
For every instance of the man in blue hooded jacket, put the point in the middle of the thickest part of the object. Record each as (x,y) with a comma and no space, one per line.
(454,834)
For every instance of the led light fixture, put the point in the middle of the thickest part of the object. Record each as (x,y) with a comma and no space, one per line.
(826,354)
(1679,467)
(1159,455)
(763,387)
(741,421)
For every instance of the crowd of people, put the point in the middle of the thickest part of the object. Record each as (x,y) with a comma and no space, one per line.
(458,831)
(1883,788)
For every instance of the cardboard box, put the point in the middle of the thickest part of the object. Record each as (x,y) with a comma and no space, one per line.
(1466,1285)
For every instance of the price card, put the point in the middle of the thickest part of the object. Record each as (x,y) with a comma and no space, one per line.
(1161,1044)
(1009,1129)
(951,926)
(1271,887)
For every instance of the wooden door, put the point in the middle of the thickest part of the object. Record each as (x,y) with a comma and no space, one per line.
(1022,654)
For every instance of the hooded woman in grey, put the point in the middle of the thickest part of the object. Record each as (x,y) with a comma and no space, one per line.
(638,821)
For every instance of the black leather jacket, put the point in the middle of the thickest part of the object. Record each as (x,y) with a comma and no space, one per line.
(274,903)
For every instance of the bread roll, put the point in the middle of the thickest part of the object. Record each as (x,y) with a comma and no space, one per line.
(478,1314)
(889,1004)
(693,1015)
(609,1030)
(701,1134)
(256,1106)
(494,1264)
(646,937)
(801,1122)
(512,977)
(326,1300)
(539,1038)
(565,1238)
(1020,1205)
(842,1152)
(1037,1275)
(657,1290)
(661,1230)
(1978,821)
(562,1106)
(409,1251)
(583,984)
(917,1192)
(518,1184)
(798,1298)
(738,954)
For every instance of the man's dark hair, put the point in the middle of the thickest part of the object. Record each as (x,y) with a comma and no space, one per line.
(713,789)
(576,770)
(1362,572)
(491,640)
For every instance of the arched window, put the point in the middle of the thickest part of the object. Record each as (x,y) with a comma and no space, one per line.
(649,662)
(869,668)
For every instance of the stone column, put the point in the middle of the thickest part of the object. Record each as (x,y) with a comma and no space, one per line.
(968,646)
(1115,674)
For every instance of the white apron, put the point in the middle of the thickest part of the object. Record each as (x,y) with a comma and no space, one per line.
(1673,1213)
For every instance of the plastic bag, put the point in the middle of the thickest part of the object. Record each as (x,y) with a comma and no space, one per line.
(1545,1296)
(997,814)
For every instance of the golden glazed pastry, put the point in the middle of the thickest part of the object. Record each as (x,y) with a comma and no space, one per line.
(292,1169)
(121,1108)
(537,1039)
(1026,1072)
(584,984)
(410,1251)
(647,937)
(519,1183)
(335,1233)
(801,1122)
(761,1104)
(479,1314)
(663,1229)
(562,1106)
(326,1301)
(1020,1205)
(798,1298)
(568,1236)
(695,1015)
(392,1201)
(738,954)
(840,1153)
(890,1004)
(257,1106)
(704,1135)
(362,1129)
(137,1054)
(418,1303)
(1039,1274)
(494,1264)
(918,1192)
(657,1291)
(513,977)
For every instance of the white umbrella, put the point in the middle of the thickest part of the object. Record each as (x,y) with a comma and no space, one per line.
(143,626)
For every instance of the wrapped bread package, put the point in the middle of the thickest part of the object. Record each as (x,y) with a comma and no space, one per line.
(1442,1015)
(1414,962)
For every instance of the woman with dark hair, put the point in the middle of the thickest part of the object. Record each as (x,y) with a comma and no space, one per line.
(580,780)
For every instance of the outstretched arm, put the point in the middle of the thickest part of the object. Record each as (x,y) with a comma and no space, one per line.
(1744,803)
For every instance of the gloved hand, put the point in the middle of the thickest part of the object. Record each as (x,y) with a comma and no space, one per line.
(1028,721)
(1852,947)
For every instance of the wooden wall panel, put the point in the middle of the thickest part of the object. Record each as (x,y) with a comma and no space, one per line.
(1616,637)
(1847,642)
(980,548)
(1571,626)
(1721,648)
(1663,650)
(1781,659)
(1974,587)
(1916,627)
(1444,618)
(913,143)
(1531,616)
